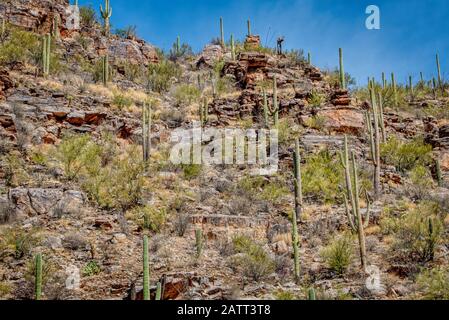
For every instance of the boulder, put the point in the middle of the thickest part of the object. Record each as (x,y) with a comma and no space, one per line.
(348,120)
(210,55)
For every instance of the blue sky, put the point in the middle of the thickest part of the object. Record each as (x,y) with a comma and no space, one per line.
(412,31)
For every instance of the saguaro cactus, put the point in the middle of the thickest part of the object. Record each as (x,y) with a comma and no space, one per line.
(38,276)
(46,54)
(381,117)
(265,108)
(275,103)
(298,207)
(342,71)
(222,41)
(384,81)
(159,291)
(309,58)
(146,132)
(440,81)
(232,48)
(248,24)
(311,294)
(410,86)
(354,214)
(375,142)
(106,14)
(178,45)
(204,112)
(55,27)
(434,87)
(395,92)
(198,242)
(105,70)
(146,270)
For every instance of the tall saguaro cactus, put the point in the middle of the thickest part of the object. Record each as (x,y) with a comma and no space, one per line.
(440,81)
(38,276)
(204,112)
(410,85)
(353,213)
(199,242)
(395,92)
(55,27)
(106,14)
(146,132)
(248,24)
(309,58)
(265,109)
(381,117)
(46,54)
(342,70)
(232,48)
(222,41)
(146,270)
(105,70)
(159,291)
(298,208)
(275,103)
(374,135)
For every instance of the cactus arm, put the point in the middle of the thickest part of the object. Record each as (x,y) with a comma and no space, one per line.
(298,208)
(342,70)
(265,109)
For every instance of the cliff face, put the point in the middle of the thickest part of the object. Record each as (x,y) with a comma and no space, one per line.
(36,15)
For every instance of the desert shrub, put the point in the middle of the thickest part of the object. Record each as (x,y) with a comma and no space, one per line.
(296,57)
(333,77)
(252,258)
(191,171)
(7,212)
(14,170)
(18,243)
(186,94)
(88,16)
(20,46)
(322,176)
(274,192)
(421,182)
(121,100)
(184,50)
(316,122)
(149,217)
(71,153)
(162,75)
(5,289)
(405,155)
(434,284)
(126,33)
(284,295)
(338,255)
(417,233)
(181,223)
(91,269)
(315,100)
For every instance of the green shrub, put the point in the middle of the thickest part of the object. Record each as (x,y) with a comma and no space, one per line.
(421,181)
(17,243)
(162,75)
(406,155)
(283,295)
(71,152)
(91,269)
(186,94)
(88,16)
(150,218)
(338,255)
(121,101)
(128,32)
(434,284)
(253,259)
(5,289)
(14,170)
(417,233)
(333,77)
(20,46)
(322,176)
(191,171)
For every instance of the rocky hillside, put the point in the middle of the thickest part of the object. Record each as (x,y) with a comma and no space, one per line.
(77,190)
